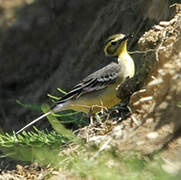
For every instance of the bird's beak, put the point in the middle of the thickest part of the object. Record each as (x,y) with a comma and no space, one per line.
(128,36)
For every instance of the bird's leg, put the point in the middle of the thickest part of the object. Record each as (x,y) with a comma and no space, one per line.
(91,115)
(103,108)
(104,112)
(102,115)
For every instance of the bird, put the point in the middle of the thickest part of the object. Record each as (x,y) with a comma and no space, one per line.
(98,89)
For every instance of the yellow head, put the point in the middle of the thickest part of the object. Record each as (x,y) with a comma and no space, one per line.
(116,45)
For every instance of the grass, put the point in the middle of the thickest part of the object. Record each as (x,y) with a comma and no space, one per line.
(49,148)
(63,150)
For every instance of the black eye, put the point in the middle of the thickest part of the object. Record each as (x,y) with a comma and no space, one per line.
(114,43)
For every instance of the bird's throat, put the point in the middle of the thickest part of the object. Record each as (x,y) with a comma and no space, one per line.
(127,64)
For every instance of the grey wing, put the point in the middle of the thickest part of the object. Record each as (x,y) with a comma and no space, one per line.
(94,82)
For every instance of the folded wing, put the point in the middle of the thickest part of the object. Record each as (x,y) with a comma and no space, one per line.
(94,82)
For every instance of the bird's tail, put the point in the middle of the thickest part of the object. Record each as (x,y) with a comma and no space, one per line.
(33,122)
